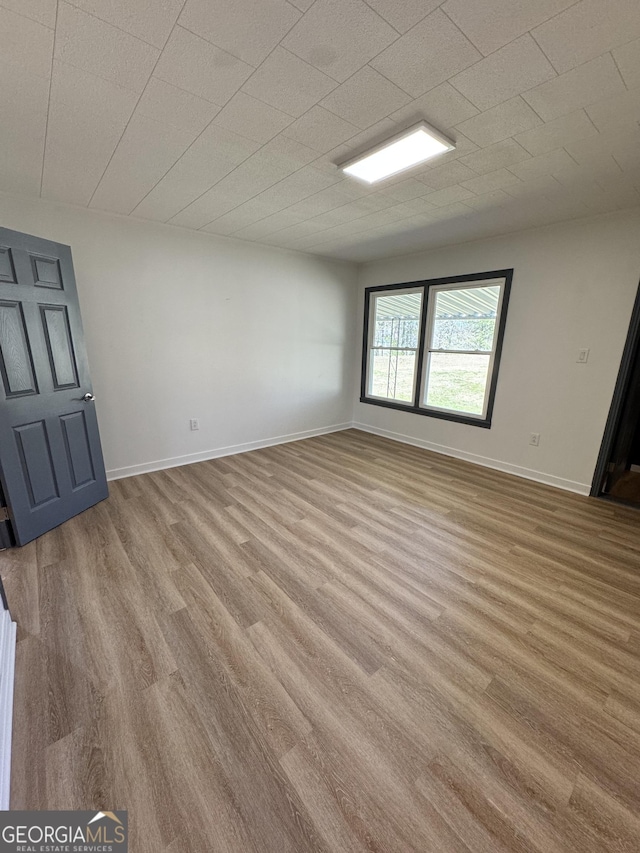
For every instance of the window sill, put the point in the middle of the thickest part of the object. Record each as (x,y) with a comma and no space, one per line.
(430,413)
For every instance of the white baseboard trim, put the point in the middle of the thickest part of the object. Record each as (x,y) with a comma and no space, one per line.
(231,450)
(485,461)
(7,673)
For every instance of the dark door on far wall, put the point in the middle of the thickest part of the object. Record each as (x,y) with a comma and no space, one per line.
(51,464)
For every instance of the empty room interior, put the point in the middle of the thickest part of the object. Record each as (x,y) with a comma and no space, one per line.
(320,424)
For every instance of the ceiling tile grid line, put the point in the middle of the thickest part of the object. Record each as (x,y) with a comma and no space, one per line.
(17,7)
(184,3)
(197,112)
(265,217)
(134,109)
(311,219)
(96,7)
(46,126)
(253,154)
(426,193)
(409,14)
(482,27)
(209,188)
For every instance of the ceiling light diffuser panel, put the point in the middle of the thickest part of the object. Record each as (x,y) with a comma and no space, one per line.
(410,148)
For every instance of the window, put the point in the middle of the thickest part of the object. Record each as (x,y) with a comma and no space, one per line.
(433,347)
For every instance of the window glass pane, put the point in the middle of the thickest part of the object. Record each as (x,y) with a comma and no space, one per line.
(465,319)
(397,320)
(457,382)
(392,374)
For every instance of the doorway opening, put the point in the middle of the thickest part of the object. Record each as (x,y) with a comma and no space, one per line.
(617,475)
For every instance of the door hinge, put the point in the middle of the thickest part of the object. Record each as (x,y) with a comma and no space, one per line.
(4,513)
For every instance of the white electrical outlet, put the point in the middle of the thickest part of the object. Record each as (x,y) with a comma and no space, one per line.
(583,356)
(194,423)
(534,439)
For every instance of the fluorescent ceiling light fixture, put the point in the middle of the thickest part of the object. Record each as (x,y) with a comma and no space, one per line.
(407,149)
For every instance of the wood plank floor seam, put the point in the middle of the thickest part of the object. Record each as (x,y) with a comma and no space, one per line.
(339,645)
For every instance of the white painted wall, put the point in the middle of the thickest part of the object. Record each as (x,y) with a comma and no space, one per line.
(574,286)
(255,342)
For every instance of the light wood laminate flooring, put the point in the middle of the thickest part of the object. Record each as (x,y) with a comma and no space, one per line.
(342,644)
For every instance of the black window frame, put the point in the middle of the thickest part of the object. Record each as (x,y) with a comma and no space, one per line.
(425,286)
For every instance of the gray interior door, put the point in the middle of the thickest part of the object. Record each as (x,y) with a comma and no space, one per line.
(51,464)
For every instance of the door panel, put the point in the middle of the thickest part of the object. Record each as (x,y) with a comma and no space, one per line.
(76,442)
(51,465)
(55,322)
(15,353)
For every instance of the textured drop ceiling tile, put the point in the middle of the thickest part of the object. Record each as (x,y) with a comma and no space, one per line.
(442,107)
(543,164)
(339,36)
(344,213)
(296,187)
(513,69)
(284,155)
(321,130)
(273,162)
(494,198)
(231,222)
(490,182)
(623,145)
(288,236)
(287,83)
(227,224)
(501,122)
(622,111)
(322,202)
(557,133)
(269,225)
(247,213)
(303,5)
(79,146)
(212,156)
(365,139)
(496,156)
(447,175)
(149,20)
(103,50)
(365,99)
(628,61)
(463,146)
(405,190)
(212,204)
(42,11)
(87,117)
(604,169)
(588,29)
(88,93)
(23,107)
(26,45)
(381,218)
(201,68)
(252,118)
(428,54)
(591,82)
(533,187)
(136,167)
(403,14)
(249,29)
(167,104)
(493,23)
(449,195)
